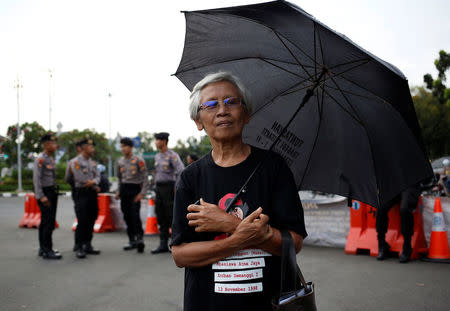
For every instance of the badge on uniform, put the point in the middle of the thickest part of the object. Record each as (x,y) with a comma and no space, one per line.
(141,163)
(40,162)
(77,165)
(49,167)
(133,161)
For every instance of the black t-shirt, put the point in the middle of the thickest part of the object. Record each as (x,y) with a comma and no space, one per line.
(249,279)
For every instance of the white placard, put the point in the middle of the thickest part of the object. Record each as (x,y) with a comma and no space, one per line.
(230,276)
(224,288)
(247,253)
(239,264)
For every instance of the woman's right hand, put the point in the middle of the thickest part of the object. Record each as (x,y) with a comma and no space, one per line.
(254,229)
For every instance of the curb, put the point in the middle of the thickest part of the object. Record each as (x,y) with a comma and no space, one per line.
(22,194)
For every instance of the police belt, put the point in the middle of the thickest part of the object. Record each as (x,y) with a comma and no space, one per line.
(84,190)
(165,183)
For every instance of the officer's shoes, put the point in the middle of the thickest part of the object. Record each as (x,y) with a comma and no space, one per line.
(131,245)
(162,248)
(90,250)
(140,246)
(383,250)
(41,252)
(76,247)
(51,255)
(80,253)
(405,256)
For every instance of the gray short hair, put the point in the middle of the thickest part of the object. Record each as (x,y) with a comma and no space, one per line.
(217,77)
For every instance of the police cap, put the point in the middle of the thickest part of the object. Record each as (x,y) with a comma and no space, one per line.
(86,141)
(162,136)
(126,141)
(48,137)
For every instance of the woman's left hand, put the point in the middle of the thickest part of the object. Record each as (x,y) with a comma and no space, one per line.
(208,217)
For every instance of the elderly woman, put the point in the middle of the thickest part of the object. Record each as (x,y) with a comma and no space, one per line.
(232,260)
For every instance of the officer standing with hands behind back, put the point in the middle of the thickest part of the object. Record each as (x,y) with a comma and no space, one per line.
(168,167)
(44,172)
(83,172)
(133,183)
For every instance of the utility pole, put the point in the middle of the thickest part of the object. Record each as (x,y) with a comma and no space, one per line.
(18,86)
(50,72)
(109,136)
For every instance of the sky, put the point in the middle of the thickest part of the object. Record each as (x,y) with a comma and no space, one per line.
(130,48)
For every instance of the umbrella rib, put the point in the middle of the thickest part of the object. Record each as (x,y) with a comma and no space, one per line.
(292,54)
(367,135)
(315,55)
(366,60)
(280,94)
(343,108)
(279,67)
(355,94)
(363,88)
(320,109)
(235,59)
(320,44)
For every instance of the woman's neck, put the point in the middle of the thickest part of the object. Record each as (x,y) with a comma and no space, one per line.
(229,153)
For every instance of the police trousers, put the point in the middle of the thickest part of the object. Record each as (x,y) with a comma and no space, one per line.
(131,210)
(408,202)
(165,193)
(48,218)
(86,210)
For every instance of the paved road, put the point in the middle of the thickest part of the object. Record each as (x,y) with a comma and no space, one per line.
(118,280)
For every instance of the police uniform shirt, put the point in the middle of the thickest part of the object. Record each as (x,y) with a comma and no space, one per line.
(132,171)
(43,173)
(168,166)
(82,170)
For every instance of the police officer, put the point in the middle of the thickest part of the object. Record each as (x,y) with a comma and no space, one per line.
(46,196)
(168,167)
(83,172)
(133,183)
(71,182)
(408,202)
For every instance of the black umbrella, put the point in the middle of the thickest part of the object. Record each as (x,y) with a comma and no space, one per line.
(346,118)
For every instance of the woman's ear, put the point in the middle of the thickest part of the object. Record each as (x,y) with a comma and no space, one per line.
(199,124)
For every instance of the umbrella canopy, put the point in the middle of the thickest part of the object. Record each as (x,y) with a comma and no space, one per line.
(357,136)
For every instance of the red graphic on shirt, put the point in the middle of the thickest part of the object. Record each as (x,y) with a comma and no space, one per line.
(237,210)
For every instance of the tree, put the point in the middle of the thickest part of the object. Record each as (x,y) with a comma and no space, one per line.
(193,146)
(434,120)
(30,145)
(67,142)
(147,142)
(438,88)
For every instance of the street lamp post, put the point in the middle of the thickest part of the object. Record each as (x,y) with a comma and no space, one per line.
(109,137)
(18,86)
(50,72)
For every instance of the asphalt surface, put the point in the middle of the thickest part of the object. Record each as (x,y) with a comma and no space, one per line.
(118,280)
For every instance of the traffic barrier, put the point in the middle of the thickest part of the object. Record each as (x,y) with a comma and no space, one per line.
(27,211)
(104,220)
(363,235)
(151,227)
(32,214)
(439,250)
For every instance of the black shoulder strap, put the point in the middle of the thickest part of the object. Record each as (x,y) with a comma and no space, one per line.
(289,262)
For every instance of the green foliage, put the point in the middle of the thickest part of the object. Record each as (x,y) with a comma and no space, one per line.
(438,88)
(147,142)
(434,120)
(30,146)
(67,142)
(193,146)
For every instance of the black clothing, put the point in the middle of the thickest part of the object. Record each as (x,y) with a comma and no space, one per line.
(86,210)
(408,202)
(48,218)
(272,188)
(131,210)
(164,207)
(104,183)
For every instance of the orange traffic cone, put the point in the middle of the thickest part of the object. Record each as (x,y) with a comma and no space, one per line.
(439,251)
(152,224)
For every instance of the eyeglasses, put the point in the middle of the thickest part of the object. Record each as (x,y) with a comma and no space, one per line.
(213,105)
